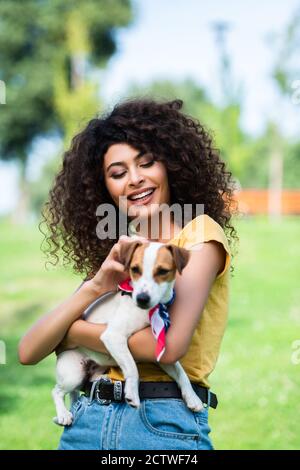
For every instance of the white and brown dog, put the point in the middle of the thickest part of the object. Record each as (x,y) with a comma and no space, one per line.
(152,267)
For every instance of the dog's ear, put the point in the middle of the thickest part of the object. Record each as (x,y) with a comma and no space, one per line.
(126,252)
(181,256)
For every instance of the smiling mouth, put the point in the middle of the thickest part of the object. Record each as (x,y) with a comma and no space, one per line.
(142,200)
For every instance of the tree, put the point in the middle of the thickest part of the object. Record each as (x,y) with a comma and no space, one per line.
(285,71)
(287,66)
(35,53)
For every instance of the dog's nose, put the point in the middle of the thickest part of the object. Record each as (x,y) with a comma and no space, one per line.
(143,300)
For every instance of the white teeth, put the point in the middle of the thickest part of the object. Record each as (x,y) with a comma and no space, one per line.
(139,196)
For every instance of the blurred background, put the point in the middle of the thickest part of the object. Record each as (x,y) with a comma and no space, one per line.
(236,66)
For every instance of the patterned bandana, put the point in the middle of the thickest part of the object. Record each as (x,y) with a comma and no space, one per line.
(158,317)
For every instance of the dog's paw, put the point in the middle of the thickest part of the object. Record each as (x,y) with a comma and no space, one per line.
(193,402)
(133,402)
(64,418)
(132,393)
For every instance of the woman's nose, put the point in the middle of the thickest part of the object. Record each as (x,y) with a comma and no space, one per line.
(135,177)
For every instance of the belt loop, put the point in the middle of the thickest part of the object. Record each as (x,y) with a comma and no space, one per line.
(92,391)
(118,390)
(208,398)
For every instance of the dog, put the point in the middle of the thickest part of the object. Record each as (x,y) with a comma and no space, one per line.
(152,267)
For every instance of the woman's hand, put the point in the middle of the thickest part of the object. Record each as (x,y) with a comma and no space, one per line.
(112,271)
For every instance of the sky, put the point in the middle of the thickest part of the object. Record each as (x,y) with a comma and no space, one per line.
(174,39)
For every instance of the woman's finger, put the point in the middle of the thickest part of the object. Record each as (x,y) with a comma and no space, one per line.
(114,253)
(114,265)
(138,237)
(133,237)
(124,237)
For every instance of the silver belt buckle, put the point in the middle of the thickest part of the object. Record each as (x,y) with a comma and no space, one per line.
(117,390)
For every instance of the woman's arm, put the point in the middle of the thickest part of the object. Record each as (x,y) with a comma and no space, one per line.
(48,331)
(82,333)
(192,290)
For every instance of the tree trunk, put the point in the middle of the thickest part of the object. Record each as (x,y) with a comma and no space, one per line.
(275,181)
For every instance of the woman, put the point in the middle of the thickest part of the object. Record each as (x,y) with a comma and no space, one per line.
(141,145)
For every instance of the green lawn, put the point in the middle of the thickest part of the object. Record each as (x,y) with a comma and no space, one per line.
(256,382)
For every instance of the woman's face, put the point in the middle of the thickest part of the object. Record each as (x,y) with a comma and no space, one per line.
(129,172)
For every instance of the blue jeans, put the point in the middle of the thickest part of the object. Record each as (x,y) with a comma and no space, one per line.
(159,424)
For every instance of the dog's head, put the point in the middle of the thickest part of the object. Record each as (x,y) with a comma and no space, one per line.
(152,267)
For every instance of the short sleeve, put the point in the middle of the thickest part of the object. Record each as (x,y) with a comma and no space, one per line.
(204,229)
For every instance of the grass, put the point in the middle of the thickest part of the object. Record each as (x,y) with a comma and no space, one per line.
(255,379)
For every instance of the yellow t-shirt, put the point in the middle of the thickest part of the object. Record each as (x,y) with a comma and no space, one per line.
(203,351)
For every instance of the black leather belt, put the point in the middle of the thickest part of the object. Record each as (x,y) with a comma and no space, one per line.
(106,391)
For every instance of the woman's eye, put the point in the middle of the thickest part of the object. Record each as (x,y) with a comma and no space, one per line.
(118,175)
(147,164)
(144,165)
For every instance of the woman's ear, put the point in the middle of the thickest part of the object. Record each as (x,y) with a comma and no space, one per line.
(126,252)
(181,257)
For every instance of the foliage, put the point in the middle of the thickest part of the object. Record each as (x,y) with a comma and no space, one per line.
(291,175)
(34,40)
(287,66)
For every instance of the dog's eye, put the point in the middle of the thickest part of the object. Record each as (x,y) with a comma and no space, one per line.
(162,272)
(135,270)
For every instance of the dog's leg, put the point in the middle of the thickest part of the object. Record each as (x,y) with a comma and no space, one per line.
(177,372)
(70,372)
(117,345)
(64,417)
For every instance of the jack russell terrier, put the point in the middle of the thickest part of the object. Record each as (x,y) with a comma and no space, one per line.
(152,268)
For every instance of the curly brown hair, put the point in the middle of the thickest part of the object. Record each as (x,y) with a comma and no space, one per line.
(195,171)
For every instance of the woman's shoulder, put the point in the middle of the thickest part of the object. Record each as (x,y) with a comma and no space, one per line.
(201,229)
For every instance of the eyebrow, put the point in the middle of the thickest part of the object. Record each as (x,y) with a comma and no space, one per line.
(139,155)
